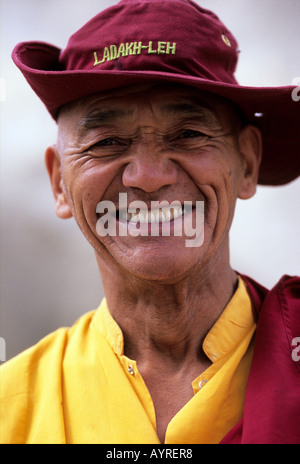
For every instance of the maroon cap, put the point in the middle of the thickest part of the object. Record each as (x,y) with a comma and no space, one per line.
(141,41)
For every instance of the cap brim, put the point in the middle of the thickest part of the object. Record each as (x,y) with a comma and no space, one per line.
(272,109)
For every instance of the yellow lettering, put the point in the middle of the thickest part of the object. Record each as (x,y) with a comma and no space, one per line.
(113,52)
(106,56)
(121,50)
(128,50)
(161,47)
(137,48)
(150,48)
(172,48)
(96,62)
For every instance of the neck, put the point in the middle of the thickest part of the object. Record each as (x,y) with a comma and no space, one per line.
(167,321)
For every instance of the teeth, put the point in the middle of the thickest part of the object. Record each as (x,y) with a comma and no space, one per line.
(164,214)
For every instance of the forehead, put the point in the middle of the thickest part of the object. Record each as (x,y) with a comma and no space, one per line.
(124,103)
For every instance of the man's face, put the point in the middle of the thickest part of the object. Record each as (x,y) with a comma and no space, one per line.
(153,143)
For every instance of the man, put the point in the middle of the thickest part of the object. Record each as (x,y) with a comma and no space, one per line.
(156,141)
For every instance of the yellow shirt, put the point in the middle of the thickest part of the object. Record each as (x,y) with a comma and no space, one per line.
(77,386)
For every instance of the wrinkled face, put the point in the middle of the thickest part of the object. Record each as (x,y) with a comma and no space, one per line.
(153,143)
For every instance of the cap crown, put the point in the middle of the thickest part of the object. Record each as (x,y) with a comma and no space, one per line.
(174,36)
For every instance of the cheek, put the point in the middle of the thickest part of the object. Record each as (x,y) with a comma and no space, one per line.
(212,170)
(217,176)
(88,183)
(222,168)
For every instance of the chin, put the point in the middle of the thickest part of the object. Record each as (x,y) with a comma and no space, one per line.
(161,267)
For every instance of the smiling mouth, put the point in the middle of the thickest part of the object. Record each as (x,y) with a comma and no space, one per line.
(155,215)
(174,219)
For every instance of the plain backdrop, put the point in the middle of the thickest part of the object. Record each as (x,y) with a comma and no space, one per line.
(49,275)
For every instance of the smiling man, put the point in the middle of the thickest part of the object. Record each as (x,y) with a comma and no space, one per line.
(183,349)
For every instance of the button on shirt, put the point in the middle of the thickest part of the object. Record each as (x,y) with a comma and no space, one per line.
(77,386)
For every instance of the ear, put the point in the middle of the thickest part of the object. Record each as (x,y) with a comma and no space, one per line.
(250,147)
(53,165)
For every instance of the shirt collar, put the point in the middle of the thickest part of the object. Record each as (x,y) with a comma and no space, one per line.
(227,332)
(110,330)
(232,326)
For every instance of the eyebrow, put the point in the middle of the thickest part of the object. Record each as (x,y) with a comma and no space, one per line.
(201,110)
(100,117)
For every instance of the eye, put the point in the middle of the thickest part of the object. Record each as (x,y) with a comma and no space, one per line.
(108,146)
(109,143)
(105,142)
(189,133)
(187,139)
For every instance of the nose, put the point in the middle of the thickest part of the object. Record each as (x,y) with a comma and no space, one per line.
(149,169)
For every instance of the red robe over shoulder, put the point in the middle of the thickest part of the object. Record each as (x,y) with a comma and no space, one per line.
(272,401)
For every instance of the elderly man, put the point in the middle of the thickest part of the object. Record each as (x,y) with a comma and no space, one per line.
(156,141)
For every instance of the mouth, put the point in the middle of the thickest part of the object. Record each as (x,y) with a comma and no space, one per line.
(174,219)
(162,214)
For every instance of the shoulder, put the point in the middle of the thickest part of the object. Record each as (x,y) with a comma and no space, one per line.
(278,313)
(30,362)
(286,292)
(34,377)
(286,296)
(40,358)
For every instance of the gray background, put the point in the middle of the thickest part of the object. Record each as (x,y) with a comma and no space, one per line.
(49,275)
